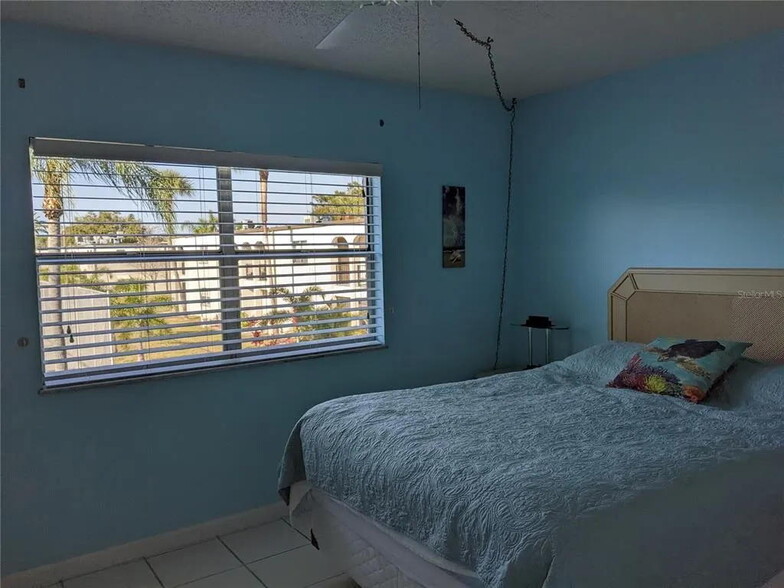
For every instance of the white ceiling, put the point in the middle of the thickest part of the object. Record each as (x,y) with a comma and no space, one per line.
(539,46)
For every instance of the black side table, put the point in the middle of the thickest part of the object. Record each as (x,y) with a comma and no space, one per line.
(546,341)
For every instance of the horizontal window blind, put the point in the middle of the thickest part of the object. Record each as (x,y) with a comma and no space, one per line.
(153,260)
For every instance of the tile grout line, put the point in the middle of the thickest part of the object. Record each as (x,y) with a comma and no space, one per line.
(293,528)
(202,577)
(199,542)
(229,549)
(330,578)
(189,582)
(265,558)
(306,544)
(117,565)
(252,573)
(149,565)
(247,565)
(189,545)
(242,562)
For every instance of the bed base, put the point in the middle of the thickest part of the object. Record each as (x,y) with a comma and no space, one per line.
(372,555)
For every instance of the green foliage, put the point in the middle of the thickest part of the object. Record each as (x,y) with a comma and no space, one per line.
(339,318)
(138,320)
(165,186)
(55,176)
(204,225)
(348,205)
(154,188)
(276,317)
(106,222)
(39,226)
(72,274)
(335,313)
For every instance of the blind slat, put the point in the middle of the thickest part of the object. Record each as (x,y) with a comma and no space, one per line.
(111,295)
(168,303)
(220,332)
(374,299)
(202,323)
(250,258)
(50,259)
(154,351)
(207,361)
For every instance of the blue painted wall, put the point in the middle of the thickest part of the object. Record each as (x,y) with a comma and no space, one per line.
(678,164)
(86,470)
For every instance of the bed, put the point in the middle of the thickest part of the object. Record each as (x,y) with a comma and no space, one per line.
(548,478)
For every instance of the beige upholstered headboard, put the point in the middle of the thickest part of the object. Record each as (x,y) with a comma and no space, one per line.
(736,304)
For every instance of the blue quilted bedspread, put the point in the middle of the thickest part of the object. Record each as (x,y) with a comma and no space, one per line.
(548,478)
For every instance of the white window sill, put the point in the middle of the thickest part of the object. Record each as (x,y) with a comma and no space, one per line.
(186,371)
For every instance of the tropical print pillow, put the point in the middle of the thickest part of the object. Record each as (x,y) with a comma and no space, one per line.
(679,367)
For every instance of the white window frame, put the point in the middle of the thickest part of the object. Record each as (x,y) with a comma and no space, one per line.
(229,252)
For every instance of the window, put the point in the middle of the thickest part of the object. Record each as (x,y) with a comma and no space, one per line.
(153,260)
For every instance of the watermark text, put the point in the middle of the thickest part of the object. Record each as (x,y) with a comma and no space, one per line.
(761,293)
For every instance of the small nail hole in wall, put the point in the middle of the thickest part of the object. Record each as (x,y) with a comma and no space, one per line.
(22,83)
(381,122)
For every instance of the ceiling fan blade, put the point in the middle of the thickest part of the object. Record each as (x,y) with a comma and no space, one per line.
(342,32)
(345,28)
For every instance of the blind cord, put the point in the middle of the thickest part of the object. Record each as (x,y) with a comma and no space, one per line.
(511,108)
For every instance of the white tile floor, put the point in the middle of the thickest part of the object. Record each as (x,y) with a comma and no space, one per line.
(273,555)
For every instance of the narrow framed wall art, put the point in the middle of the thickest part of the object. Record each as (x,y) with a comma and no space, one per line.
(453,226)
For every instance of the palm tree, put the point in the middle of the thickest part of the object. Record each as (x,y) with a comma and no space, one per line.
(204,225)
(165,187)
(342,205)
(155,189)
(263,204)
(128,313)
(39,227)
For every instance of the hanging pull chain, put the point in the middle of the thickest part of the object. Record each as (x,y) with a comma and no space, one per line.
(511,108)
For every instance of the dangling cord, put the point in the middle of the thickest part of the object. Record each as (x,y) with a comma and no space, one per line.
(511,108)
(488,44)
(419,62)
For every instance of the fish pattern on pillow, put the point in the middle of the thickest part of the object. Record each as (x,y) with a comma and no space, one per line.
(679,367)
